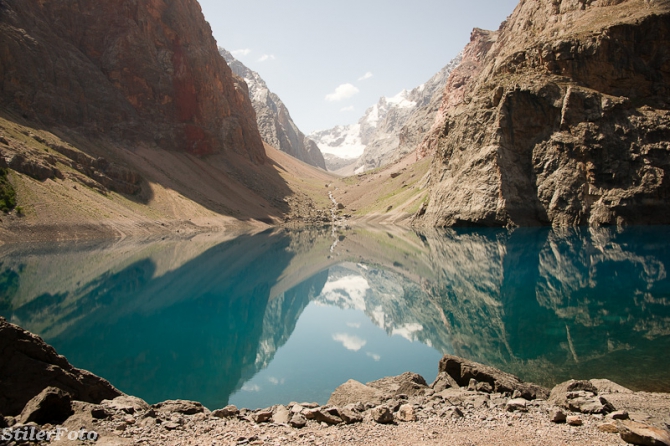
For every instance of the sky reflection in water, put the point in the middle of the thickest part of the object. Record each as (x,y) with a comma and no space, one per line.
(274,317)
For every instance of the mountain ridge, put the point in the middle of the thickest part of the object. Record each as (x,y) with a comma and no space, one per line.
(273,118)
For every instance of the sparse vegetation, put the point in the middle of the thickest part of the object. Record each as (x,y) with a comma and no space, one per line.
(7,193)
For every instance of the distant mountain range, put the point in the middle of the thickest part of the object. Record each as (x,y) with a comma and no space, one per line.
(274,120)
(389,129)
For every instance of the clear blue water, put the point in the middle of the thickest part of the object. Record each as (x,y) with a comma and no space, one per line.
(285,316)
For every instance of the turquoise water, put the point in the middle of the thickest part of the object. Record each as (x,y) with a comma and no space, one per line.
(279,316)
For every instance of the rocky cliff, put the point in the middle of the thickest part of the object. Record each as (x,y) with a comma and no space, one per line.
(564,120)
(143,72)
(274,121)
(389,129)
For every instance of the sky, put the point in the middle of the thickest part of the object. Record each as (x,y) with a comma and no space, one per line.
(330,60)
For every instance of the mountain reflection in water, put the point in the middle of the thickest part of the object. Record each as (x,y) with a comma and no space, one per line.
(286,315)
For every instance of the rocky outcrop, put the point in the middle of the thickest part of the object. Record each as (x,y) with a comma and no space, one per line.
(273,118)
(564,122)
(29,366)
(143,73)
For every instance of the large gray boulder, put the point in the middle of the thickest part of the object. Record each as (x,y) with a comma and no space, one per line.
(353,392)
(462,371)
(29,365)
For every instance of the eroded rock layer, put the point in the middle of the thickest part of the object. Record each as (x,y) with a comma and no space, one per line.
(565,120)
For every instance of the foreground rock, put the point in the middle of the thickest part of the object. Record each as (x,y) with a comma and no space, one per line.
(29,366)
(383,414)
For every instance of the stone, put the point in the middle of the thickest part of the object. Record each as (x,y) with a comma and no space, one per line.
(354,392)
(472,385)
(443,381)
(463,370)
(262,416)
(325,416)
(643,434)
(350,416)
(607,386)
(557,416)
(579,396)
(100,413)
(281,415)
(29,366)
(485,388)
(574,420)
(298,421)
(410,388)
(518,404)
(382,415)
(618,415)
(452,412)
(226,412)
(356,407)
(126,403)
(393,385)
(297,408)
(406,413)
(181,406)
(170,425)
(52,405)
(609,427)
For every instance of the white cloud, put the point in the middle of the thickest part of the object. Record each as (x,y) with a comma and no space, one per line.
(408,331)
(276,381)
(241,52)
(265,57)
(350,342)
(374,356)
(366,76)
(347,109)
(344,91)
(354,324)
(251,388)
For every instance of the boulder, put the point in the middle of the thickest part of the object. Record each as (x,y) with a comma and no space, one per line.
(226,412)
(298,421)
(574,420)
(281,415)
(51,405)
(262,416)
(518,404)
(355,392)
(126,403)
(322,416)
(607,386)
(181,406)
(408,383)
(557,416)
(609,427)
(443,381)
(382,415)
(580,396)
(643,434)
(463,370)
(29,366)
(349,416)
(406,413)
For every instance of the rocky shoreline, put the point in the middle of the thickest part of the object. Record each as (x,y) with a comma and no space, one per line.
(469,403)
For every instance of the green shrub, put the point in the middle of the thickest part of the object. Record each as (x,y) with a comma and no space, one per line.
(7,193)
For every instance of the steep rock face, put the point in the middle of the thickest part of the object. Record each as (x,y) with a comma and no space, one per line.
(274,121)
(144,72)
(30,365)
(565,124)
(391,128)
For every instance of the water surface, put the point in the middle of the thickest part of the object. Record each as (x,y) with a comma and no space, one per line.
(286,315)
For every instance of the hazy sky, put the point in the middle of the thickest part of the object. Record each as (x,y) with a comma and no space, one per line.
(330,60)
